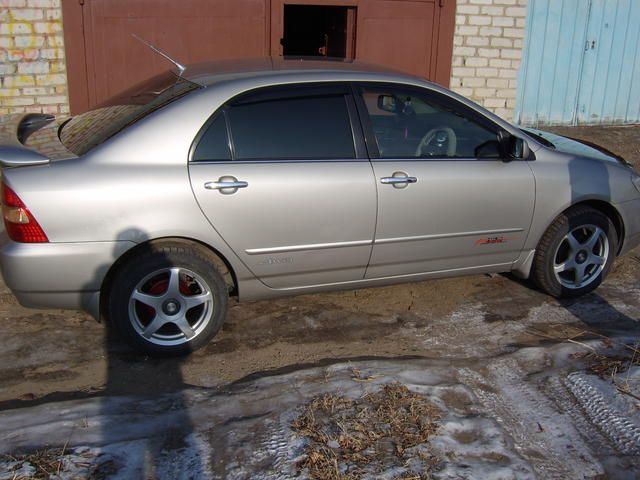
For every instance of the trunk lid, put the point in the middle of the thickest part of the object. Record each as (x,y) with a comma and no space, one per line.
(30,139)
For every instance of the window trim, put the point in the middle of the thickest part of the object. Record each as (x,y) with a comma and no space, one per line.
(288,91)
(438,99)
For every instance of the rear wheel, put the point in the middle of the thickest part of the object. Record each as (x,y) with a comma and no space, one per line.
(170,300)
(576,253)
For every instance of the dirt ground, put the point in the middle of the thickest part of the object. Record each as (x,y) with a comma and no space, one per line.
(55,356)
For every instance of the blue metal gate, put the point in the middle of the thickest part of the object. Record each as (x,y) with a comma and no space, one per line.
(581,63)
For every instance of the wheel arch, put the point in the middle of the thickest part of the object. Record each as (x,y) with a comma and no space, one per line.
(524,267)
(226,270)
(606,209)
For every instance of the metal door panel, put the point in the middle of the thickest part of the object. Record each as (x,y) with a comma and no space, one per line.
(581,63)
(460,214)
(190,30)
(611,50)
(296,223)
(549,78)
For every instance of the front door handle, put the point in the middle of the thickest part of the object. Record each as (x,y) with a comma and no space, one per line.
(226,185)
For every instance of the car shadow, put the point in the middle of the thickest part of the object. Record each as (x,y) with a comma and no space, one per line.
(601,317)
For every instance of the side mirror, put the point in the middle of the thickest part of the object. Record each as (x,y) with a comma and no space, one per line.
(513,147)
(490,149)
(387,103)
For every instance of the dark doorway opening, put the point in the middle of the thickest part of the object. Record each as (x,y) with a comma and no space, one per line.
(319,31)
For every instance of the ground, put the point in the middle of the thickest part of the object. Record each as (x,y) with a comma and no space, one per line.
(503,381)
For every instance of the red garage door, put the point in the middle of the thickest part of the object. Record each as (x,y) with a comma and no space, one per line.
(103,58)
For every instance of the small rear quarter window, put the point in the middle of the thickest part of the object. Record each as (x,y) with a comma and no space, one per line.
(214,143)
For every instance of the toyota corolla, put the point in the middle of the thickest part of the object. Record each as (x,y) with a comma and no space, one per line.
(264,178)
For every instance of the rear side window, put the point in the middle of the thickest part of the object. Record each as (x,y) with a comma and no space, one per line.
(292,128)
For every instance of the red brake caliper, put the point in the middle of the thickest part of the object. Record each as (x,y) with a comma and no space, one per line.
(159,287)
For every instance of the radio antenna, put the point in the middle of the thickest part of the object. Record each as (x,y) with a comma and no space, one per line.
(181,68)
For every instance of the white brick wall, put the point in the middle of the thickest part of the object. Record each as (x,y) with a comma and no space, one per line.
(487,50)
(33,74)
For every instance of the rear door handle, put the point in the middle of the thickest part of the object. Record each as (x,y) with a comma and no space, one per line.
(221,185)
(226,185)
(398,180)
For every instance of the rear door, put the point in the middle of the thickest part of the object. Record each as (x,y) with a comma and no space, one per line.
(447,198)
(282,175)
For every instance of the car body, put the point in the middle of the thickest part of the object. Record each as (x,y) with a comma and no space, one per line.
(357,209)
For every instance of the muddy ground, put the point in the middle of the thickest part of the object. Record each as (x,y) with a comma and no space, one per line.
(52,357)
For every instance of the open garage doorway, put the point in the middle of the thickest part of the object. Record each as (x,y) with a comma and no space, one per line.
(319,31)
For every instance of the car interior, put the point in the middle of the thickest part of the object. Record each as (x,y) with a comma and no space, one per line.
(407,127)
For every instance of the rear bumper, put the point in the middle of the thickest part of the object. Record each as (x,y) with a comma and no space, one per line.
(58,275)
(630,213)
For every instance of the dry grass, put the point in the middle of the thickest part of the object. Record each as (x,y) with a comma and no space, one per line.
(47,463)
(346,438)
(53,463)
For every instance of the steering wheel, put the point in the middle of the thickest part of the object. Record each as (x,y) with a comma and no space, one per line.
(452,140)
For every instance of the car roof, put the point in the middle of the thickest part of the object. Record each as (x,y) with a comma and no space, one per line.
(209,73)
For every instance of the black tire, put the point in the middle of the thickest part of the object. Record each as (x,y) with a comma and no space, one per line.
(543,264)
(181,258)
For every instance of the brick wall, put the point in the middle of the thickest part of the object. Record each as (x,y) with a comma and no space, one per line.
(32,67)
(487,50)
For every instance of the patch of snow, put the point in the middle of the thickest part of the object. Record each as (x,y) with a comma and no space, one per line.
(512,416)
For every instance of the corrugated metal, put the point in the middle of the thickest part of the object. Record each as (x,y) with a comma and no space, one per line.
(581,63)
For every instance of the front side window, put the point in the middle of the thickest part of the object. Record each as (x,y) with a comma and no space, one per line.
(292,128)
(409,124)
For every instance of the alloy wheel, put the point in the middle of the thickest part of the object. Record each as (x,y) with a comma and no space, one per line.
(581,256)
(170,306)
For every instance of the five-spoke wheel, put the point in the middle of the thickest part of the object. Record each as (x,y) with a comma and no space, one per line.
(581,256)
(575,253)
(168,300)
(170,306)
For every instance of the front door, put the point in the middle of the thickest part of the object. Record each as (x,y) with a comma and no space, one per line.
(277,174)
(447,198)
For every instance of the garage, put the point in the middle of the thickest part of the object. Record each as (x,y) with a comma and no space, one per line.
(581,63)
(103,58)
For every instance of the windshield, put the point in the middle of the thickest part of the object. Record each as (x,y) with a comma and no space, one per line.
(86,131)
(538,136)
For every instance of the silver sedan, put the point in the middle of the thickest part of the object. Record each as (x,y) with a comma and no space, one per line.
(265,178)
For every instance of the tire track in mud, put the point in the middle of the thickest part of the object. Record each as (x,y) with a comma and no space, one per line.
(555,389)
(275,449)
(624,434)
(532,421)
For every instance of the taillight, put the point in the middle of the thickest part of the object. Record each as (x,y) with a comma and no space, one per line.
(20,224)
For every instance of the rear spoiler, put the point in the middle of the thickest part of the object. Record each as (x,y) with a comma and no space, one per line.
(19,156)
(17,149)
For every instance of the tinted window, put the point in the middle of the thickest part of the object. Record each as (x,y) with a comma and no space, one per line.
(408,124)
(292,128)
(214,144)
(83,132)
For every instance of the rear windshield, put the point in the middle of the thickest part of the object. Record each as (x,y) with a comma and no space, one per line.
(83,132)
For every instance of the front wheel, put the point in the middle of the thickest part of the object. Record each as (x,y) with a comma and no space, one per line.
(576,253)
(169,300)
